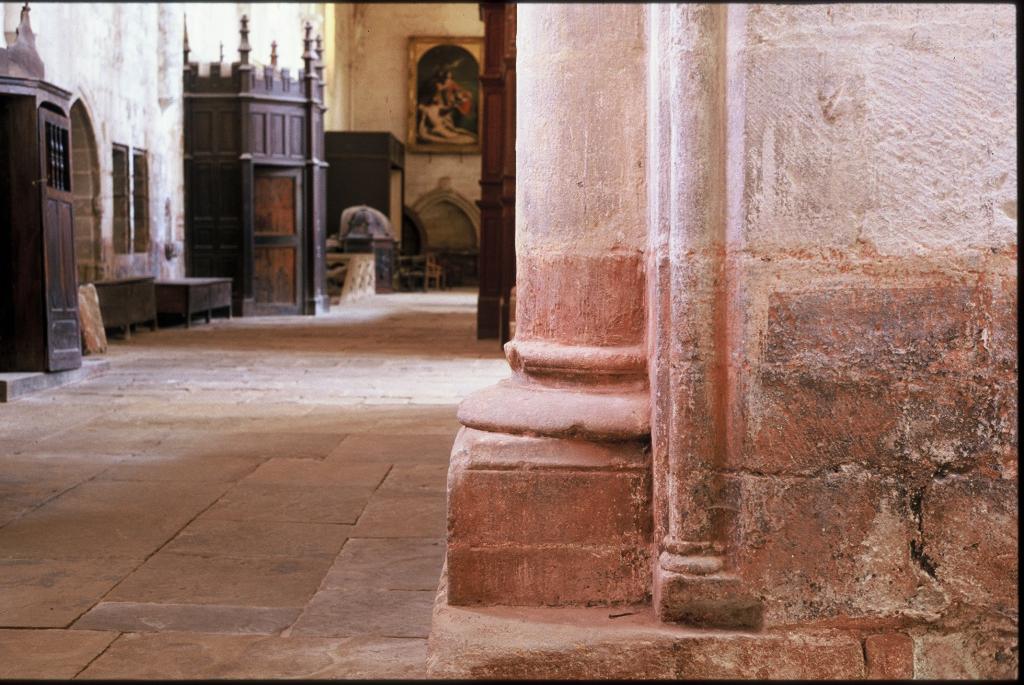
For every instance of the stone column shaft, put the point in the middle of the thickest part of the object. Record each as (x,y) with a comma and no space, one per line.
(690,319)
(549,488)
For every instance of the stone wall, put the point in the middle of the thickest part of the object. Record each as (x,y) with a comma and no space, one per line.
(839,356)
(370,65)
(123,62)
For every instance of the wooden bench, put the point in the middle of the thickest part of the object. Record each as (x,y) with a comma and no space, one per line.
(189,296)
(127,301)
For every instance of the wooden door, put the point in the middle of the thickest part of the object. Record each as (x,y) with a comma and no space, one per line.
(277,241)
(63,337)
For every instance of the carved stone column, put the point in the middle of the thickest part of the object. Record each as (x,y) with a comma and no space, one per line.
(690,198)
(549,486)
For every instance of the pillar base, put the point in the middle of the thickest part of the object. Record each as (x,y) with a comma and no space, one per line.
(712,600)
(625,642)
(535,521)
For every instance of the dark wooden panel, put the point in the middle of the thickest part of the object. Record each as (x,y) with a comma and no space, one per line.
(258,132)
(274,206)
(277,134)
(227,132)
(274,275)
(63,340)
(229,191)
(296,139)
(202,132)
(497,182)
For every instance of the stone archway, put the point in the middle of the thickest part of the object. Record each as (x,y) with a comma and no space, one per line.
(86,189)
(452,226)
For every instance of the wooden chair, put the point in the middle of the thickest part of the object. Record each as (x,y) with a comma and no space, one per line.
(435,273)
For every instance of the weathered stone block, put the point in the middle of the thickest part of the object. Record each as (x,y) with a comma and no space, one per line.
(524,575)
(805,423)
(815,549)
(541,507)
(877,329)
(966,655)
(544,521)
(94,336)
(889,656)
(1002,333)
(627,643)
(969,534)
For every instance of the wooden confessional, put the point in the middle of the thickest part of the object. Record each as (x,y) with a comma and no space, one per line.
(497,266)
(255,180)
(39,326)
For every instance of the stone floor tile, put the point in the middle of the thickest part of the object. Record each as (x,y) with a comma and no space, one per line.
(29,419)
(239,455)
(65,470)
(142,617)
(201,656)
(384,613)
(49,654)
(157,468)
(214,537)
(19,498)
(402,516)
(396,449)
(310,472)
(261,446)
(387,564)
(297,503)
(416,419)
(100,519)
(416,478)
(102,441)
(51,593)
(168,578)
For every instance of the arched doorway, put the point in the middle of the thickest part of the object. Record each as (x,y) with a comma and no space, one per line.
(452,227)
(85,187)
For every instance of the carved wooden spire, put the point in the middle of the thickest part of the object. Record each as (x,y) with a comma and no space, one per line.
(185,47)
(243,48)
(307,55)
(273,53)
(319,59)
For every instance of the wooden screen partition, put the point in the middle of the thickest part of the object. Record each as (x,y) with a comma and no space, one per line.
(255,179)
(498,172)
(39,327)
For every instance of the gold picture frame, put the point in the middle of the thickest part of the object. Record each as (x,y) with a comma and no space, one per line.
(445,110)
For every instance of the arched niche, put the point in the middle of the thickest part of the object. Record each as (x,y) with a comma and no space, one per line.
(414,235)
(452,226)
(85,188)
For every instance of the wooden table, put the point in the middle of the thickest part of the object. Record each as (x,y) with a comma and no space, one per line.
(188,296)
(127,301)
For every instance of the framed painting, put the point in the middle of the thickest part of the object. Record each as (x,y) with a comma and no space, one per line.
(444,94)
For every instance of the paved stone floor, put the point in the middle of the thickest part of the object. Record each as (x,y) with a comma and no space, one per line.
(251,498)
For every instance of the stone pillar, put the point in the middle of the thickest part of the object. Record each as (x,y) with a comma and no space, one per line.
(549,485)
(691,286)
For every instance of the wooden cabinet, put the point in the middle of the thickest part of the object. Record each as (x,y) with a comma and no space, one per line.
(39,326)
(366,168)
(125,302)
(255,181)
(190,296)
